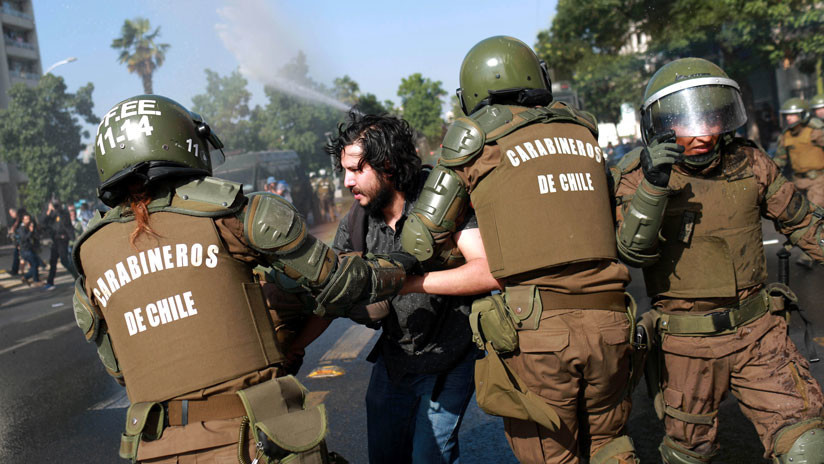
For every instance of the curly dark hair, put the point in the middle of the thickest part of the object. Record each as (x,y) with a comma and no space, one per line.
(388,146)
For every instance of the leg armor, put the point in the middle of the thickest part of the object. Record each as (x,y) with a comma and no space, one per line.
(438,212)
(273,226)
(801,443)
(638,233)
(672,453)
(619,450)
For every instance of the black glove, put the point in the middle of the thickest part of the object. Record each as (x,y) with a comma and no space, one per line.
(410,264)
(658,157)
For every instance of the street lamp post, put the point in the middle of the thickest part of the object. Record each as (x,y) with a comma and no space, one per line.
(60,63)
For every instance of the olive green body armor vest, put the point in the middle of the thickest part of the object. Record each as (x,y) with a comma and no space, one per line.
(182,313)
(712,241)
(547,201)
(804,154)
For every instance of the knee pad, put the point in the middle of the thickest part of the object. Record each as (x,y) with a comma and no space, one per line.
(610,453)
(801,443)
(673,453)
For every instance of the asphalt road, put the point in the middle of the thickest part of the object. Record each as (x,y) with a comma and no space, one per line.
(58,404)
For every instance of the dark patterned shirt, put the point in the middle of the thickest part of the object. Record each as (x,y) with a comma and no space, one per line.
(423,334)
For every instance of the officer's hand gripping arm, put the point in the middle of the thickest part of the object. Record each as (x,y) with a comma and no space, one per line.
(428,233)
(273,226)
(638,233)
(90,320)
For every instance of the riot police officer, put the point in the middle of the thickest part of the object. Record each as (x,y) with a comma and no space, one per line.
(703,191)
(535,175)
(802,141)
(166,292)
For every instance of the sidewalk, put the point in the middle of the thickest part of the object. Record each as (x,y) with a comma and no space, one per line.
(12,287)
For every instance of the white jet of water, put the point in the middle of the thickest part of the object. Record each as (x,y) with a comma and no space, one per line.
(262,45)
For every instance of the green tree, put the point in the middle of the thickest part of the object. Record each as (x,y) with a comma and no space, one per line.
(346,90)
(583,45)
(292,122)
(40,132)
(421,106)
(139,51)
(225,106)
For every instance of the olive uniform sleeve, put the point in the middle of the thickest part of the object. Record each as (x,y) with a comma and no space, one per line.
(794,216)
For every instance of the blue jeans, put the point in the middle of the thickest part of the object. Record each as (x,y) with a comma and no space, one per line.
(407,425)
(34,264)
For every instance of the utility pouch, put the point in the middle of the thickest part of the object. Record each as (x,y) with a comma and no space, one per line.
(500,392)
(143,421)
(280,421)
(524,304)
(491,322)
(782,299)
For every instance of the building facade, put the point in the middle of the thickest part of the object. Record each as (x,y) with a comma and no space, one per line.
(19,62)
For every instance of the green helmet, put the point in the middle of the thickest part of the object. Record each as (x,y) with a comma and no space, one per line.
(817,102)
(798,108)
(147,138)
(692,97)
(500,65)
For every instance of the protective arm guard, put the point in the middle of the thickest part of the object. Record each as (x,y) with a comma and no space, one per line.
(91,322)
(359,281)
(428,233)
(273,226)
(638,233)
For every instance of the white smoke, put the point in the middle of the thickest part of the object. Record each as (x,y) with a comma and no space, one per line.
(262,45)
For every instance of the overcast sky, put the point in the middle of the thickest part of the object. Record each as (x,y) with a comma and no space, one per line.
(375,42)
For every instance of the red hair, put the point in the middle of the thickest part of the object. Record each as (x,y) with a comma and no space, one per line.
(138,202)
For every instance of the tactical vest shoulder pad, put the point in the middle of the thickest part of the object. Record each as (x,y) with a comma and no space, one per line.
(583,118)
(631,161)
(463,141)
(816,123)
(208,196)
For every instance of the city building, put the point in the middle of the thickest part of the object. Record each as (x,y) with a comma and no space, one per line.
(19,62)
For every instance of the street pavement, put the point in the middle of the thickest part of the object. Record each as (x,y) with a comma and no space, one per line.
(58,405)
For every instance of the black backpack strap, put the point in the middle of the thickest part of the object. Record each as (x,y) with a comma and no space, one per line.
(357,227)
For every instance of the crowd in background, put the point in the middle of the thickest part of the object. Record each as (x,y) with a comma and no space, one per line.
(51,235)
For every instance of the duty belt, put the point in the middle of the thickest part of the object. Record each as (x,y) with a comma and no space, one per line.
(217,407)
(608,301)
(719,322)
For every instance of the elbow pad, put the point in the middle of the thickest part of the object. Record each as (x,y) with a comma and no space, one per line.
(439,209)
(274,227)
(638,233)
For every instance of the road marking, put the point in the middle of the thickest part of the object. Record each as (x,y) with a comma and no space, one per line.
(117,401)
(350,344)
(770,242)
(42,336)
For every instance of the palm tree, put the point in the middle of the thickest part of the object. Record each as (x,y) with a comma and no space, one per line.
(139,50)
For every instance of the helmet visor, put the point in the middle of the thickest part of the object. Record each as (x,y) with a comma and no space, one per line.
(696,110)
